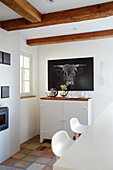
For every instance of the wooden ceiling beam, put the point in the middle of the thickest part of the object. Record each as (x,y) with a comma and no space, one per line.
(70,38)
(69,16)
(25,9)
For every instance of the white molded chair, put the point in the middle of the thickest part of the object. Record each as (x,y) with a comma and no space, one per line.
(60,143)
(76,127)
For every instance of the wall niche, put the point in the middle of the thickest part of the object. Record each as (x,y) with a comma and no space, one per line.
(5,58)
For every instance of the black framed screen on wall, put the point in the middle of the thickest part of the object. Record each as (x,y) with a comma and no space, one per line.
(0,57)
(4,91)
(77,74)
(5,58)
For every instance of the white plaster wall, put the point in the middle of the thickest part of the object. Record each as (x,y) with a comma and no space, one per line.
(29,126)
(101,50)
(9,75)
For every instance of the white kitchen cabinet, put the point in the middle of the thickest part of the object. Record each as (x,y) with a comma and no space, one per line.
(55,115)
(79,109)
(50,118)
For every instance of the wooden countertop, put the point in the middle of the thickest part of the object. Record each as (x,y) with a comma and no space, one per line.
(64,98)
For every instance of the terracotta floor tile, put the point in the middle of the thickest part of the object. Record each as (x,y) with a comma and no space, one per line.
(35,166)
(23,145)
(36,153)
(9,162)
(36,137)
(48,168)
(30,141)
(50,150)
(30,158)
(51,163)
(48,155)
(27,142)
(33,139)
(43,160)
(43,148)
(33,146)
(46,144)
(36,141)
(18,156)
(3,167)
(22,164)
(15,168)
(26,151)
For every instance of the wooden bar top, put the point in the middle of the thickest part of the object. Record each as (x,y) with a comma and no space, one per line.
(64,98)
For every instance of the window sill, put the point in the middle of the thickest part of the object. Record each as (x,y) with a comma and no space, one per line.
(24,97)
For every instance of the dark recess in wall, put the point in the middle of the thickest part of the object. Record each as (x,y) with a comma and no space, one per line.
(5,58)
(4,91)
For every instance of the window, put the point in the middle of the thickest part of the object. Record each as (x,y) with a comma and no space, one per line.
(26,73)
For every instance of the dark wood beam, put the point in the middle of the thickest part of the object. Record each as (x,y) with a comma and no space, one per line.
(70,38)
(25,9)
(69,16)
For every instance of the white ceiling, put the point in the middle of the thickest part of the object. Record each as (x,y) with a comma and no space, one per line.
(6,13)
(72,28)
(44,7)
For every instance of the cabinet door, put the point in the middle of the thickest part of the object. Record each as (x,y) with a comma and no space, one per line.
(50,118)
(78,109)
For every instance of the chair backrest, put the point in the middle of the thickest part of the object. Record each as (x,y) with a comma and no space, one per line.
(59,139)
(74,123)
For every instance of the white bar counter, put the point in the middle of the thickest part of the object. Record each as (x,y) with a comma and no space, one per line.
(94,149)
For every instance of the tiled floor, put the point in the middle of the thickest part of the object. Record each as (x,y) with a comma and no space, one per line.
(32,156)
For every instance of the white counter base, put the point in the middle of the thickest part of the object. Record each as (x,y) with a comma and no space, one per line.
(94,149)
(55,115)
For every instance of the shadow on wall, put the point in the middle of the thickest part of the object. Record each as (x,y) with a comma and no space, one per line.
(5,145)
(100,102)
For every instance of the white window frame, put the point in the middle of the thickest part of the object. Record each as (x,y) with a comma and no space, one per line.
(22,81)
